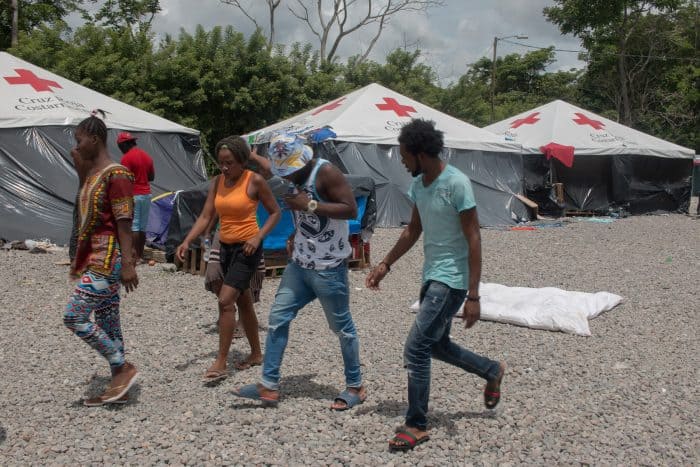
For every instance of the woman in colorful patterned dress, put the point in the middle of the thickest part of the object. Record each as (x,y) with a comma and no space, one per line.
(105,215)
(234,196)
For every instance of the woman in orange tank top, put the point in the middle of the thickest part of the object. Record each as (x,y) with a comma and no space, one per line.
(234,196)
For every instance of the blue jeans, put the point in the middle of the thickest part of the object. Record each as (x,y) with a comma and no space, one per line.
(430,337)
(299,287)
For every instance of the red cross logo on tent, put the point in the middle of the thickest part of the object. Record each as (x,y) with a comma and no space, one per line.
(392,104)
(27,77)
(529,120)
(583,120)
(331,106)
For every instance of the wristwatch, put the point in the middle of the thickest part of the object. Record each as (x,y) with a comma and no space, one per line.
(311,207)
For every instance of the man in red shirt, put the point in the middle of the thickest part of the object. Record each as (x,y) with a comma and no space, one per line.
(141,165)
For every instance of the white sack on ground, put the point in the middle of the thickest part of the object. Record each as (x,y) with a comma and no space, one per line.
(547,308)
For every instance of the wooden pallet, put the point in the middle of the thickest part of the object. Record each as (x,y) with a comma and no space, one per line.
(574,213)
(276,262)
(156,255)
(194,262)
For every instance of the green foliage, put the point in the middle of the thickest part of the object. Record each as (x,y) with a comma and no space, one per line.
(642,62)
(521,83)
(34,14)
(221,82)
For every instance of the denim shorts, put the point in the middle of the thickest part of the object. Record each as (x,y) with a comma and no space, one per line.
(142,205)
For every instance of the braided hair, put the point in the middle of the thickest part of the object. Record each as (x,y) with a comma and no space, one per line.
(94,125)
(238,147)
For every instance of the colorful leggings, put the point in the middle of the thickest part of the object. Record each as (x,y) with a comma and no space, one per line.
(98,294)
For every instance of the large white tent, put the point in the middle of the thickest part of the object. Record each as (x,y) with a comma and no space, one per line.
(600,162)
(365,125)
(38,113)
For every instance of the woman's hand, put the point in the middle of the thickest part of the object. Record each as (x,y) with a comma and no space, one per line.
(252,245)
(129,279)
(181,250)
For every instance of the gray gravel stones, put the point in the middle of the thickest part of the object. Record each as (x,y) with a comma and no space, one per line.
(626,395)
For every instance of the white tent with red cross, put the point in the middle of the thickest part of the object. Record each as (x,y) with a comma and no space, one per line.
(601,163)
(39,111)
(358,132)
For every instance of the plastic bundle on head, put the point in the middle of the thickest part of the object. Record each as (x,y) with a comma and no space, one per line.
(288,153)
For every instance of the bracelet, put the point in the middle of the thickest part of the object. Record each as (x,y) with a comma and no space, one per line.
(473,299)
(388,269)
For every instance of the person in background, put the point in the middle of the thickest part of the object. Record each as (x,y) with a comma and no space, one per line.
(141,165)
(234,196)
(322,203)
(445,212)
(103,256)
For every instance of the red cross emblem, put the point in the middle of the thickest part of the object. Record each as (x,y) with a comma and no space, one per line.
(27,77)
(529,120)
(583,120)
(331,106)
(392,104)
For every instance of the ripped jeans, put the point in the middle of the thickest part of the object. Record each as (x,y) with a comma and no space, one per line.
(430,337)
(297,288)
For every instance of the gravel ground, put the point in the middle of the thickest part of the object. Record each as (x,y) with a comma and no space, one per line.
(627,395)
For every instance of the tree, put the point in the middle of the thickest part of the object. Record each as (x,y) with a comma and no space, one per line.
(617,22)
(522,82)
(128,14)
(245,9)
(24,16)
(14,11)
(335,22)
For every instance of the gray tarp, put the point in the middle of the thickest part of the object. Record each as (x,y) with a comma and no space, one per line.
(496,179)
(38,183)
(640,184)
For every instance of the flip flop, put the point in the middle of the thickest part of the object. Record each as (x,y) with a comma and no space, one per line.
(350,398)
(212,376)
(251,391)
(117,392)
(99,401)
(407,441)
(492,398)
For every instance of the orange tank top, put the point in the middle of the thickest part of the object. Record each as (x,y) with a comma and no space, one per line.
(236,210)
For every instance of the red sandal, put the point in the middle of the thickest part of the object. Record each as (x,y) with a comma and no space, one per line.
(491,398)
(404,440)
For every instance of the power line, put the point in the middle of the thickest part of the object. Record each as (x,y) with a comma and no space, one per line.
(659,57)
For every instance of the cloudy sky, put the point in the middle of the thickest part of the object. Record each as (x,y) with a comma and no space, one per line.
(449,37)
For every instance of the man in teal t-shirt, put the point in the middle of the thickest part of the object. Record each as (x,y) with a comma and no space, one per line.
(445,211)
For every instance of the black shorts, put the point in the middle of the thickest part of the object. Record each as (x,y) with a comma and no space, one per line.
(238,268)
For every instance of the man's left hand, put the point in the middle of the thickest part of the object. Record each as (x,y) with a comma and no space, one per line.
(298,201)
(471,312)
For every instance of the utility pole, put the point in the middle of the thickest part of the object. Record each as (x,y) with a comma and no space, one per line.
(493,80)
(14,9)
(493,72)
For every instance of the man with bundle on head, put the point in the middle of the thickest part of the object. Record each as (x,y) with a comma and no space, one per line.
(445,211)
(141,165)
(322,201)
